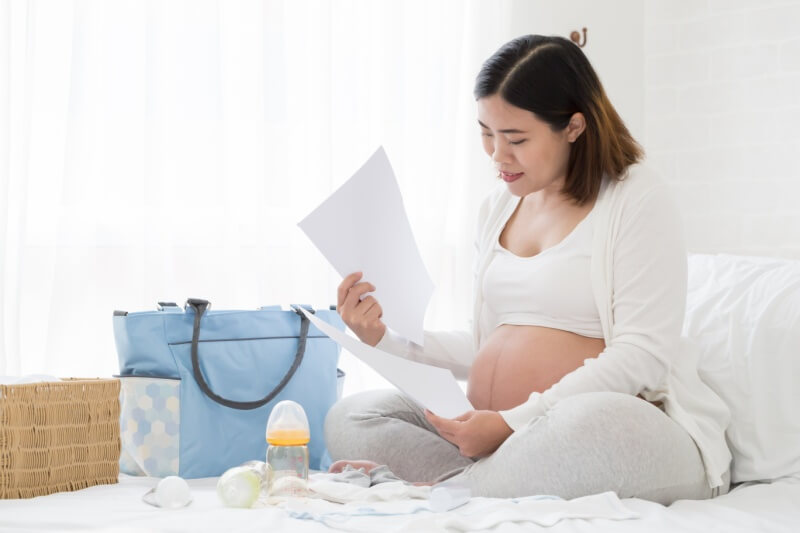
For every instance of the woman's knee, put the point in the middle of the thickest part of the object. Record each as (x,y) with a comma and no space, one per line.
(342,411)
(362,405)
(594,442)
(651,453)
(348,415)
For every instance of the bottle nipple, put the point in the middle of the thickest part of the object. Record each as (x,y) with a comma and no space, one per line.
(288,425)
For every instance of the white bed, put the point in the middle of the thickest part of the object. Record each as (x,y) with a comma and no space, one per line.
(745,313)
(772,507)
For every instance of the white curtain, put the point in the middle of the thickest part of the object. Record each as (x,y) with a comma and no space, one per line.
(159,150)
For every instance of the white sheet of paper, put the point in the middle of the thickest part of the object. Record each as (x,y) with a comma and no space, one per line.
(363,227)
(432,387)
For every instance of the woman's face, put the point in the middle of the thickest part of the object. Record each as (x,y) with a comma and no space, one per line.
(529,155)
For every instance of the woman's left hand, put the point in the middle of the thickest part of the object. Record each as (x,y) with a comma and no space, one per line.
(476,433)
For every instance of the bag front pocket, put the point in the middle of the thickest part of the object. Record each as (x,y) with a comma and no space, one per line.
(150,425)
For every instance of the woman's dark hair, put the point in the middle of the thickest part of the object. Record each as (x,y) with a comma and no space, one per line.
(552,78)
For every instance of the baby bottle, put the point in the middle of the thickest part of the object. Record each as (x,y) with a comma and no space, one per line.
(287,454)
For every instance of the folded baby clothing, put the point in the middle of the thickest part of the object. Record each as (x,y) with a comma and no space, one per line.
(359,476)
(350,475)
(339,498)
(356,500)
(358,486)
(480,514)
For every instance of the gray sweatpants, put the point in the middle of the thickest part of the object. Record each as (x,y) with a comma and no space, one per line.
(585,444)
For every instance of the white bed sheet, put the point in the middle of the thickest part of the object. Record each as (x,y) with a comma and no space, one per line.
(773,507)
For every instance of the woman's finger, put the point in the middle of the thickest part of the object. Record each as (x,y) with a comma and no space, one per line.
(442,425)
(450,438)
(432,418)
(363,306)
(374,312)
(353,296)
(344,286)
(447,435)
(464,417)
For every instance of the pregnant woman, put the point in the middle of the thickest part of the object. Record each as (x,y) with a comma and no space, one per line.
(580,380)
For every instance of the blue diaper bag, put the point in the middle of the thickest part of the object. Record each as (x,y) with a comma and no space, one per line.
(197,386)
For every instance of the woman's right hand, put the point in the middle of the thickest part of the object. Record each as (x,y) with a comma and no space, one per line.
(361,316)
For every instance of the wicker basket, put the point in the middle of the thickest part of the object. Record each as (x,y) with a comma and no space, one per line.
(58,436)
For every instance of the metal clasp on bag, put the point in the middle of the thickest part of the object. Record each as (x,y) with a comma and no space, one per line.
(169,307)
(194,303)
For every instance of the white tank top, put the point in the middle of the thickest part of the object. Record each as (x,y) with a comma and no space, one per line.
(551,289)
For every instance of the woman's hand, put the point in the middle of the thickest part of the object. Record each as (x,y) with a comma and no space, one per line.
(476,433)
(362,316)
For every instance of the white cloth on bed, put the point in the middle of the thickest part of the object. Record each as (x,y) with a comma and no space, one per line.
(477,514)
(486,513)
(773,507)
(338,492)
(350,506)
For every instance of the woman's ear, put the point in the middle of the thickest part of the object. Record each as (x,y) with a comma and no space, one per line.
(576,126)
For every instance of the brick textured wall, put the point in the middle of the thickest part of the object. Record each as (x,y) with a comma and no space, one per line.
(722,119)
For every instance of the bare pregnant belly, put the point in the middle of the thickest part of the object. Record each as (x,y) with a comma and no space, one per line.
(518,360)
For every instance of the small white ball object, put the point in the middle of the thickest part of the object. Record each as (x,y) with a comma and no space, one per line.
(172,492)
(239,486)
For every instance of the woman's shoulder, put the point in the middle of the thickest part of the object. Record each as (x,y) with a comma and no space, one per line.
(641,199)
(637,181)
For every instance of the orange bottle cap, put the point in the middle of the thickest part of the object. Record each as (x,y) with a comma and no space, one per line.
(288,425)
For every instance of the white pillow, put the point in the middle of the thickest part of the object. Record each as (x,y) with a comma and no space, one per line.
(745,314)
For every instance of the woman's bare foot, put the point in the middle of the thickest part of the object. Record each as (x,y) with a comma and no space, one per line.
(338,466)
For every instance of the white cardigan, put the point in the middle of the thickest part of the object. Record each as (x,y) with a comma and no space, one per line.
(639,278)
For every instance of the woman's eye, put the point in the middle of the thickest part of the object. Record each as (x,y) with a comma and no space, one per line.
(517,142)
(487,134)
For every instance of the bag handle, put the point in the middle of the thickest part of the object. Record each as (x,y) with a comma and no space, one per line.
(200,307)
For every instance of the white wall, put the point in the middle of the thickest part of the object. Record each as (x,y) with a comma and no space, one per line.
(721,115)
(711,88)
(614,44)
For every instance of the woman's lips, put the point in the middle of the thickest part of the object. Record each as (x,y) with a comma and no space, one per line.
(509,177)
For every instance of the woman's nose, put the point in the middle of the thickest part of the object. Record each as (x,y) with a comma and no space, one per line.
(500,154)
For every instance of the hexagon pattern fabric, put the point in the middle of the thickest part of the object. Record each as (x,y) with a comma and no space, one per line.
(150,426)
